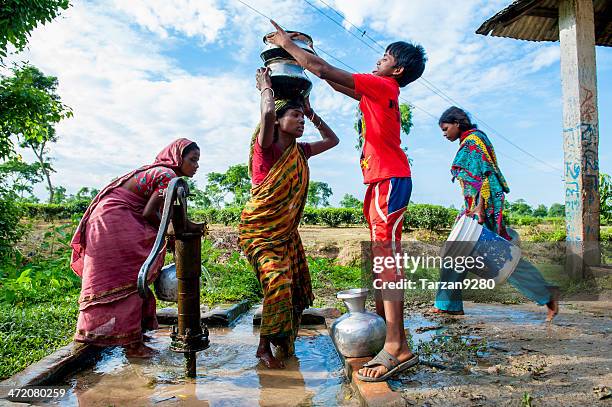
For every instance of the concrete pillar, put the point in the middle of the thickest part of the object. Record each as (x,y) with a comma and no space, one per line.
(580,134)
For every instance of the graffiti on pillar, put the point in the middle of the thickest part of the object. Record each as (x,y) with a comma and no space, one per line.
(587,106)
(588,133)
(591,184)
(572,169)
(572,189)
(590,161)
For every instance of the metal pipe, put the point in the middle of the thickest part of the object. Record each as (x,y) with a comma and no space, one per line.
(188,270)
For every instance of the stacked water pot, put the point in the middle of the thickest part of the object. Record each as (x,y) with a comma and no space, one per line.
(470,239)
(358,333)
(289,81)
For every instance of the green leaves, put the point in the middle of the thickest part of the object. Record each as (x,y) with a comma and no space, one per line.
(19,17)
(318,194)
(605,197)
(29,110)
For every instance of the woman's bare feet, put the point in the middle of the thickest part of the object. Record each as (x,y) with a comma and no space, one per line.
(264,353)
(138,350)
(553,304)
(434,310)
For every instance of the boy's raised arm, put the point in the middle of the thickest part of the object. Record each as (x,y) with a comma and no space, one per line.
(312,63)
(343,89)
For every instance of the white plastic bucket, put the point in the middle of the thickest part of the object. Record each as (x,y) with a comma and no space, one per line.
(499,256)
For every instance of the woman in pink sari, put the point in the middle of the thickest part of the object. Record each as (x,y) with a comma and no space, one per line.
(112,242)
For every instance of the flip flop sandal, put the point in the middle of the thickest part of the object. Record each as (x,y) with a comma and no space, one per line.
(393,365)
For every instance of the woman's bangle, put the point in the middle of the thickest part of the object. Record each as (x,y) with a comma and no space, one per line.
(264,89)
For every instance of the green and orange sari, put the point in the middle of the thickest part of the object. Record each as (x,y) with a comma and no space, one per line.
(268,235)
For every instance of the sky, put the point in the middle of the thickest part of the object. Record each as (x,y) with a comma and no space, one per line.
(140,73)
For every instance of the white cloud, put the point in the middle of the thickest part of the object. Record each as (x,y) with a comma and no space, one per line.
(130,101)
(192,18)
(131,98)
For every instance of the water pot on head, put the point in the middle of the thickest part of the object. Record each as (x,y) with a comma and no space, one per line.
(289,80)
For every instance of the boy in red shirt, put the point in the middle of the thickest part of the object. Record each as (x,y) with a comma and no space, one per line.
(385,170)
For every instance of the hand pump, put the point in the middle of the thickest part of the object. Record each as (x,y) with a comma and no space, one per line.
(190,336)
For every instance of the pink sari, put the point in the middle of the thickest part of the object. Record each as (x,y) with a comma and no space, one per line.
(109,246)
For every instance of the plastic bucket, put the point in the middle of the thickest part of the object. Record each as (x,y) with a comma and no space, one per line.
(498,256)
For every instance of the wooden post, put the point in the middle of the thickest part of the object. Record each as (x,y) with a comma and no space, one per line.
(580,134)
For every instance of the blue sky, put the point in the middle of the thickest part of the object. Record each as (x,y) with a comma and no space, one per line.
(139,73)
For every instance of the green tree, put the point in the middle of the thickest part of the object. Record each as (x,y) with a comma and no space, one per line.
(59,195)
(318,194)
(541,211)
(20,176)
(10,229)
(556,210)
(29,109)
(349,201)
(197,197)
(86,193)
(605,197)
(406,118)
(19,17)
(520,207)
(234,181)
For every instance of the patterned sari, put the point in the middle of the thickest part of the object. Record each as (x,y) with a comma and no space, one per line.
(269,237)
(109,246)
(475,166)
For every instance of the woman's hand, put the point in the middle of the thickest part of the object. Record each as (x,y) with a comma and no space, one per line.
(263,79)
(478,211)
(308,112)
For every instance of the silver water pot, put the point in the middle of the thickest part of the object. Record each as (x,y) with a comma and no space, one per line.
(358,333)
(166,284)
(289,80)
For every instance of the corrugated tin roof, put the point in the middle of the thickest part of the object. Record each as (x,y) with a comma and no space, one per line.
(537,20)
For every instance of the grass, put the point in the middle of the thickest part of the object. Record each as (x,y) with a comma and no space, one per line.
(29,333)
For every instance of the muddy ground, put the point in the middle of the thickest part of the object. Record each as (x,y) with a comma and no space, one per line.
(506,355)
(495,355)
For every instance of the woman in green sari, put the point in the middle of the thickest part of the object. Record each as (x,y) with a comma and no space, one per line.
(484,189)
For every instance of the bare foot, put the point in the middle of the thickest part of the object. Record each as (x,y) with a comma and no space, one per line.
(402,355)
(138,350)
(264,353)
(434,310)
(553,304)
(269,360)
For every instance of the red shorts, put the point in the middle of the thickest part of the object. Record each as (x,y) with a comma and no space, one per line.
(384,207)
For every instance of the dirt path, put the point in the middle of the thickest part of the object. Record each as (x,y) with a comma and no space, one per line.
(502,355)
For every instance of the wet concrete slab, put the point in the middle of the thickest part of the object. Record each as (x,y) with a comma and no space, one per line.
(228,373)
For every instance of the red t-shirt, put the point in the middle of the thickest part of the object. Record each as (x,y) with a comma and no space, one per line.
(381,157)
(265,158)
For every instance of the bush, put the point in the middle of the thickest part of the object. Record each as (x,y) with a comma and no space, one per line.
(10,230)
(50,212)
(431,217)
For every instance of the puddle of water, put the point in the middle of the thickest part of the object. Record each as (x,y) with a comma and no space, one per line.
(228,373)
(415,324)
(503,313)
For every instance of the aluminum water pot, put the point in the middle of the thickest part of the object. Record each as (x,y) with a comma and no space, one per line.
(166,284)
(358,333)
(289,80)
